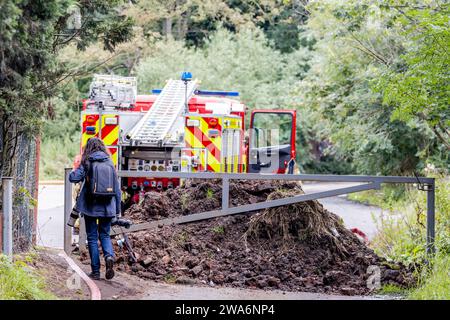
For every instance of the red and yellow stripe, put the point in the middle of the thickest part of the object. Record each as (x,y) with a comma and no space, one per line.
(109,132)
(203,144)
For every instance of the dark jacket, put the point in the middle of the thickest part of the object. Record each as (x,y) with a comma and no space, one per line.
(88,205)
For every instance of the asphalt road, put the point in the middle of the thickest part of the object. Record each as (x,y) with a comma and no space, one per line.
(51,212)
(126,287)
(51,216)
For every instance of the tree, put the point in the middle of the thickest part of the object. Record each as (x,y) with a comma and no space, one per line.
(419,87)
(31,35)
(244,62)
(195,20)
(356,43)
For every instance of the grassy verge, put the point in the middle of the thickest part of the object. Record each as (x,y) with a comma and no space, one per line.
(388,198)
(19,282)
(435,283)
(402,234)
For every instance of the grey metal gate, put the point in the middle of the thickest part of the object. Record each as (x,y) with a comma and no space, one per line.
(367,183)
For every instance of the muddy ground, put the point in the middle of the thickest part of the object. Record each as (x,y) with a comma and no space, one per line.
(301,247)
(59,278)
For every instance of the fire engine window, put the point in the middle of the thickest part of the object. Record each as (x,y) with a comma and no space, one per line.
(271,129)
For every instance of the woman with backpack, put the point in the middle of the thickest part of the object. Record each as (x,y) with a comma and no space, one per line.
(98,202)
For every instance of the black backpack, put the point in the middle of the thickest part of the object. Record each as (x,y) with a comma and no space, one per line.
(101,178)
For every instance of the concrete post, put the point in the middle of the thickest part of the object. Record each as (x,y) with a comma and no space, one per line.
(7,216)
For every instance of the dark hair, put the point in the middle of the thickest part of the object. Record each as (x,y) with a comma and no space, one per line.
(92,145)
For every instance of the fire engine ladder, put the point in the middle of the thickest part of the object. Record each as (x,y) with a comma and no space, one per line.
(158,122)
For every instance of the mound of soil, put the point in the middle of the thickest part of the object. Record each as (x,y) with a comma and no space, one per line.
(300,247)
(199,196)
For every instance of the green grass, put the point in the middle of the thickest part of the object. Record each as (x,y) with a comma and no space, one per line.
(218,229)
(19,282)
(402,237)
(56,154)
(170,278)
(209,193)
(393,290)
(389,197)
(435,283)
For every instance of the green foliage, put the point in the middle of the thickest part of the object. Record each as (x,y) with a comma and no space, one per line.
(18,283)
(243,62)
(355,43)
(402,231)
(209,193)
(402,237)
(22,195)
(57,154)
(391,289)
(388,197)
(31,35)
(418,85)
(434,283)
(59,147)
(218,229)
(340,72)
(170,278)
(194,21)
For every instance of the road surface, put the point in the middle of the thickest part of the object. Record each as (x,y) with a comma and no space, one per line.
(50,216)
(127,287)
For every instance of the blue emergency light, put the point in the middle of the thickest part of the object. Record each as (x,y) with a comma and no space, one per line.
(186,76)
(207,93)
(90,130)
(217,93)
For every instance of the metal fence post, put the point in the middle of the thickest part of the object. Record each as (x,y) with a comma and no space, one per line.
(225,192)
(431,218)
(7,216)
(67,210)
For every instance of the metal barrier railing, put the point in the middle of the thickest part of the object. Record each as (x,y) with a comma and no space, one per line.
(367,183)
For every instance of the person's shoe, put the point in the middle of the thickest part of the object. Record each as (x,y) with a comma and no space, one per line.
(109,261)
(94,275)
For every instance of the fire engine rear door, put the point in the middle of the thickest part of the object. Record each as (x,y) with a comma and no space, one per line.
(272,141)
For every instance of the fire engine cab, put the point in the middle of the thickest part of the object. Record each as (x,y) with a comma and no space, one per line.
(183,128)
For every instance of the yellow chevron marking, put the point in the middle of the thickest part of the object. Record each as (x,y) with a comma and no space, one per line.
(112,136)
(204,126)
(115,157)
(194,142)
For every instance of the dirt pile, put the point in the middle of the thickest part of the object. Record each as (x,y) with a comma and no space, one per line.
(199,196)
(301,247)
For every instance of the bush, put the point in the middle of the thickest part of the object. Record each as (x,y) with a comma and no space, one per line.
(435,282)
(402,237)
(57,154)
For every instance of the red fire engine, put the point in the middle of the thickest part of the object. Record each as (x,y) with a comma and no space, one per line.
(182,128)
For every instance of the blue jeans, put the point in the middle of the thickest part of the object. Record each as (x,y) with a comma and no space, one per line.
(94,232)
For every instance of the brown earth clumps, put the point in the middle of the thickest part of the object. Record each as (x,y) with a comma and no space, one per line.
(301,247)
